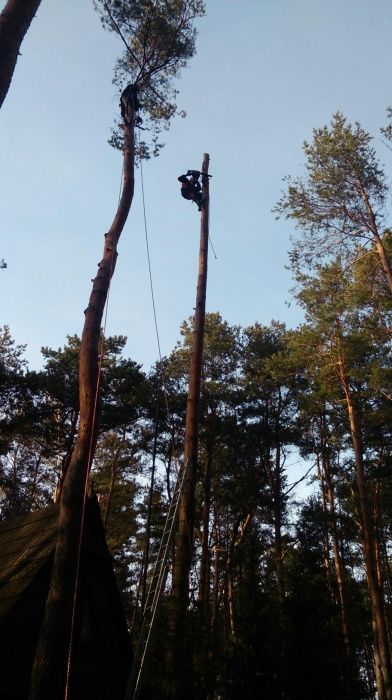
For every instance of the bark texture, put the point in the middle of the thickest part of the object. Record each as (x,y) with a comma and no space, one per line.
(381,252)
(184,539)
(205,559)
(53,663)
(380,632)
(15,20)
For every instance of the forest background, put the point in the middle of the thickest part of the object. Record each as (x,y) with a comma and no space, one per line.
(320,392)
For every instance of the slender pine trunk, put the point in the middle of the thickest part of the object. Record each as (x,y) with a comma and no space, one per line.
(53,662)
(278,504)
(146,554)
(383,668)
(229,585)
(217,576)
(112,483)
(180,659)
(205,560)
(327,548)
(381,252)
(340,576)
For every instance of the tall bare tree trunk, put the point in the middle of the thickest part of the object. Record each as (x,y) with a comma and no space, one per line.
(52,666)
(112,483)
(278,503)
(15,19)
(327,548)
(184,537)
(381,252)
(380,633)
(377,530)
(146,553)
(229,584)
(337,559)
(205,560)
(340,577)
(217,575)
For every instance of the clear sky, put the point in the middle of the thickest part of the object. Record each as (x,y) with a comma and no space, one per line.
(266,73)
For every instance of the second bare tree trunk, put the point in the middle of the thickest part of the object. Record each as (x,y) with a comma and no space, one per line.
(184,540)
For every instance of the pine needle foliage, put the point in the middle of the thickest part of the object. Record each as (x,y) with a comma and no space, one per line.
(158,38)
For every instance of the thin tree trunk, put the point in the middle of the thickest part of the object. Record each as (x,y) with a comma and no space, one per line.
(113,477)
(146,554)
(230,595)
(68,456)
(327,548)
(15,19)
(277,491)
(380,633)
(339,569)
(239,530)
(386,265)
(204,589)
(385,262)
(33,490)
(217,575)
(184,538)
(229,585)
(52,666)
(337,560)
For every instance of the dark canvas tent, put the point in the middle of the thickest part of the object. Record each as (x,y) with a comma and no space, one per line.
(102,651)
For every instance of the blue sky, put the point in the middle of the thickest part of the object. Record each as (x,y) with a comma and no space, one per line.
(266,73)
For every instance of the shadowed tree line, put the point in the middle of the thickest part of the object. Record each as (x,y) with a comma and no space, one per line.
(280,602)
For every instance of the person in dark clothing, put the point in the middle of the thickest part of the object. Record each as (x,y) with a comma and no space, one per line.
(191,188)
(129,97)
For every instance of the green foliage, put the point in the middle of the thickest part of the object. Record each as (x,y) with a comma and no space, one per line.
(271,625)
(339,204)
(13,390)
(158,37)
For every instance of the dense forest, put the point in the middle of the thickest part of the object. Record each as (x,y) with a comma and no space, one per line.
(291,588)
(290,591)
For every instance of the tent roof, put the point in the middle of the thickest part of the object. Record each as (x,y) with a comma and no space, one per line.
(27,541)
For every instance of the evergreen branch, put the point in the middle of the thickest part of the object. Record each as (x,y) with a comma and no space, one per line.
(119,32)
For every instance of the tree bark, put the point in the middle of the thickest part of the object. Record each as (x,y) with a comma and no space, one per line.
(329,496)
(217,576)
(15,20)
(239,529)
(184,538)
(385,262)
(278,503)
(146,553)
(327,552)
(386,266)
(380,633)
(112,483)
(205,559)
(52,666)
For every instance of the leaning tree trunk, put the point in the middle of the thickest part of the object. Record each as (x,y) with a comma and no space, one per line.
(52,666)
(15,20)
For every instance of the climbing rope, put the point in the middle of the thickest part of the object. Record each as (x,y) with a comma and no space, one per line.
(149,260)
(163,378)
